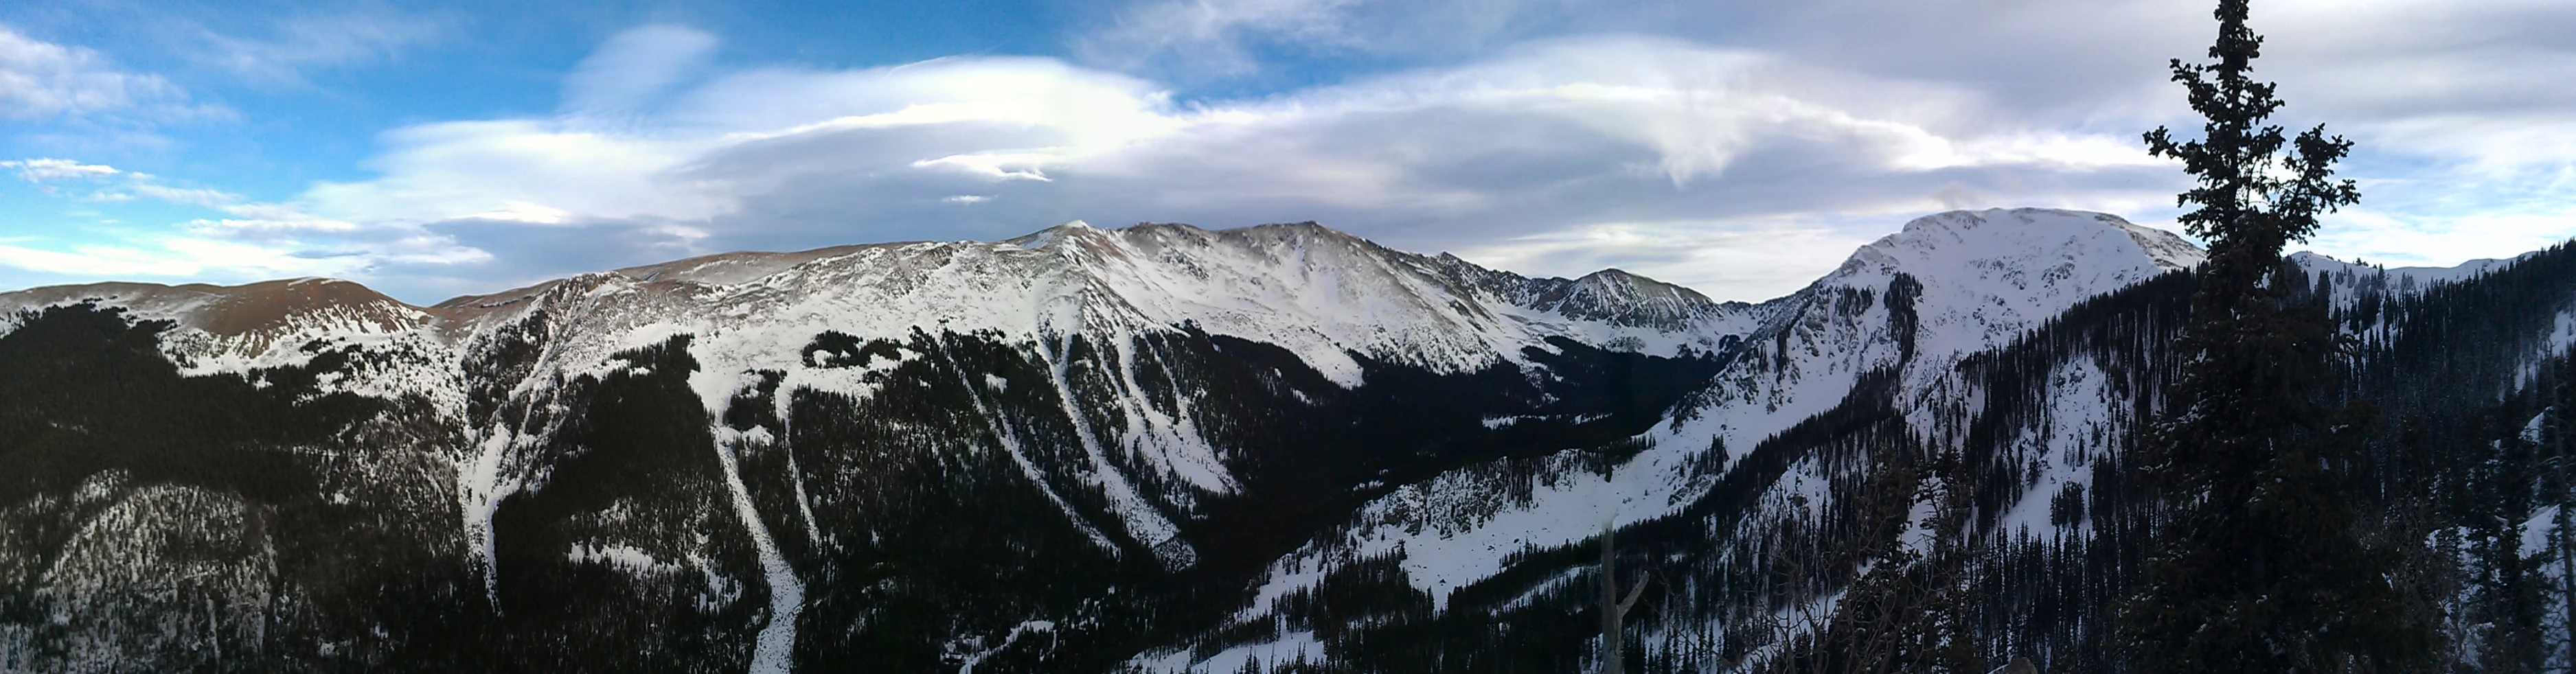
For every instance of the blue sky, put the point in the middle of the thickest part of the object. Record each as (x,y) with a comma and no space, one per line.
(1742,148)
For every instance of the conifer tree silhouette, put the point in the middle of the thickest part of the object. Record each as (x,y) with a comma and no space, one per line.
(2258,565)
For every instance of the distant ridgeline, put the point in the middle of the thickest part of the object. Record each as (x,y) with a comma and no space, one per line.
(1167,449)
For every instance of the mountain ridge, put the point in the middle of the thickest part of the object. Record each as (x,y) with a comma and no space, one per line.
(1168,448)
(230,310)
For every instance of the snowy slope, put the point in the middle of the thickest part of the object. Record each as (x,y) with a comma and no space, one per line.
(1988,275)
(1329,299)
(1944,286)
(1977,278)
(1979,281)
(1320,293)
(1131,454)
(1324,295)
(2402,279)
(240,327)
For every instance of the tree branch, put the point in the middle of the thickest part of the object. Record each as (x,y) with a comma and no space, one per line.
(1633,592)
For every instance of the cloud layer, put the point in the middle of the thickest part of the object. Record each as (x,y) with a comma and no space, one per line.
(1742,150)
(1653,141)
(41,81)
(244,239)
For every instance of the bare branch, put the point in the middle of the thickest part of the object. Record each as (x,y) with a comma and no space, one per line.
(1633,592)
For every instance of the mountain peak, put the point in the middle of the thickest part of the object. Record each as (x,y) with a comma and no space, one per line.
(228,311)
(1619,285)
(1613,275)
(1070,230)
(2165,249)
(1987,274)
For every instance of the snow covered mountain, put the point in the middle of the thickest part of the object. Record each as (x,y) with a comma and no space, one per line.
(1108,380)
(1900,312)
(1156,448)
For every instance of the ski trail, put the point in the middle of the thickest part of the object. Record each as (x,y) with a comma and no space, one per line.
(796,475)
(1011,446)
(479,498)
(1143,523)
(485,476)
(777,639)
(1176,430)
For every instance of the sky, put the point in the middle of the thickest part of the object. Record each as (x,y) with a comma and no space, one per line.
(1740,148)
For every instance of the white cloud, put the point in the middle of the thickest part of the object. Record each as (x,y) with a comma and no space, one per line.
(2432,79)
(2472,82)
(461,169)
(521,211)
(997,165)
(268,242)
(2440,240)
(634,67)
(106,261)
(1739,148)
(251,220)
(132,184)
(578,166)
(171,258)
(2472,213)
(249,241)
(1570,138)
(306,43)
(1192,39)
(1748,260)
(42,81)
(42,170)
(1210,32)
(185,196)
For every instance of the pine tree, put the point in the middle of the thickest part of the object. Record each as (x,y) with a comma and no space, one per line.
(2258,567)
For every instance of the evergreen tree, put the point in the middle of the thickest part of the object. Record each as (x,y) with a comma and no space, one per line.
(2259,567)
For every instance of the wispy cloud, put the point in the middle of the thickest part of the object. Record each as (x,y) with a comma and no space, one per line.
(42,81)
(45,170)
(1541,149)
(169,258)
(1193,39)
(1211,35)
(1745,259)
(635,67)
(1740,148)
(297,46)
(243,240)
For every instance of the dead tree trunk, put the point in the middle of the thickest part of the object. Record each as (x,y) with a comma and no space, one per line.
(1614,609)
(2559,535)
